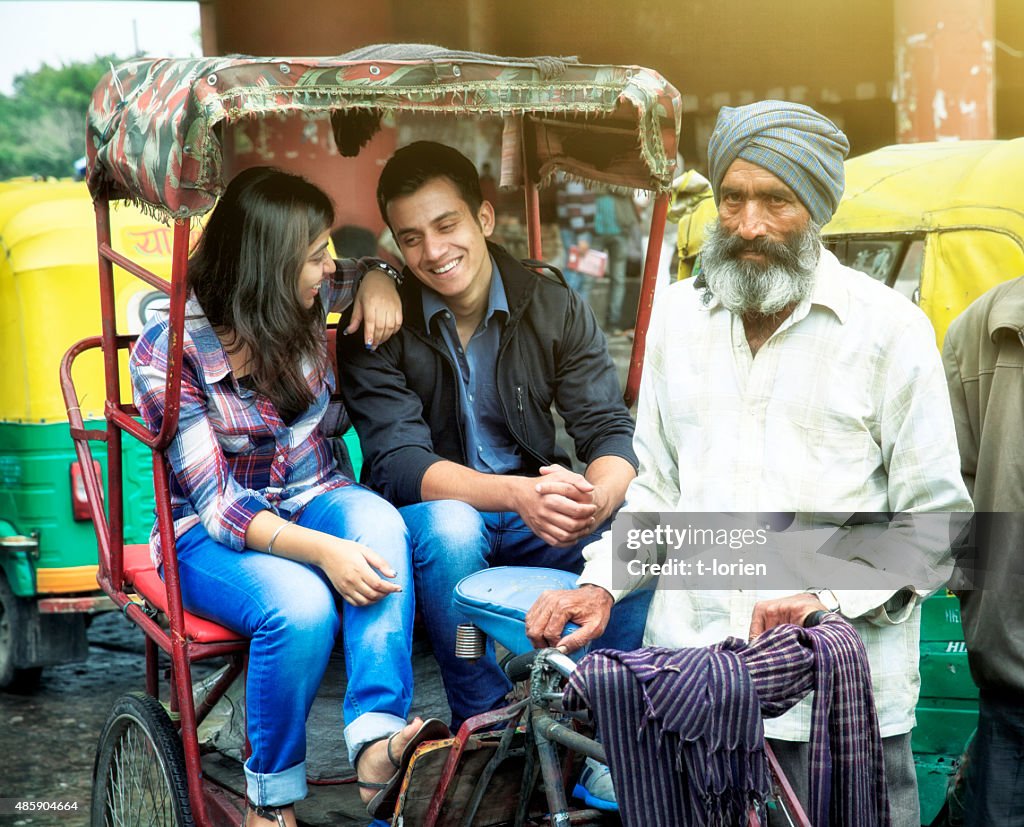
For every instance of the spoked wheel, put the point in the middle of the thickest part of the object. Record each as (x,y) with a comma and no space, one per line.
(139,777)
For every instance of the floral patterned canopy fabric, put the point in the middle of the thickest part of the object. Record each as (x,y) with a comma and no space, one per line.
(154,125)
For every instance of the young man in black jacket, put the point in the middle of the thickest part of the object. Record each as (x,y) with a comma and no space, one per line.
(454,411)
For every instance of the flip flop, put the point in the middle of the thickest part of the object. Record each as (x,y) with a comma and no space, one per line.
(382,805)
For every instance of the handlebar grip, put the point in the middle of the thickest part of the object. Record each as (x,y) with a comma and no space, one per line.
(518,667)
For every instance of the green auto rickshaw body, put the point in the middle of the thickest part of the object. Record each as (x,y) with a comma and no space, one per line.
(48,556)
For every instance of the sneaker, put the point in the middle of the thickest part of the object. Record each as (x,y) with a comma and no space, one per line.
(595,787)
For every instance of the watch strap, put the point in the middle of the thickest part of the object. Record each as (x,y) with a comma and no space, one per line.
(391,272)
(827,598)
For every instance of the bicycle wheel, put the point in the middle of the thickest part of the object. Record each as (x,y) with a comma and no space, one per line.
(139,775)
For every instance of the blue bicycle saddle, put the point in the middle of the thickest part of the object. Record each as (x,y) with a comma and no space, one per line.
(497,599)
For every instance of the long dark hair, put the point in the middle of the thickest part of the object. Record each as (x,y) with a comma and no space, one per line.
(244,273)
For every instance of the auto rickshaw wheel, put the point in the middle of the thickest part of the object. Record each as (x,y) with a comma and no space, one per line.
(13,621)
(139,775)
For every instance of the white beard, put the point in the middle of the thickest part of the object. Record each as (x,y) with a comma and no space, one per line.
(764,288)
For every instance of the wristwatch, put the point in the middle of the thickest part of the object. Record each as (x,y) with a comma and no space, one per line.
(827,598)
(388,270)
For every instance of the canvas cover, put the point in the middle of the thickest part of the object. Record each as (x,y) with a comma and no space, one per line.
(154,125)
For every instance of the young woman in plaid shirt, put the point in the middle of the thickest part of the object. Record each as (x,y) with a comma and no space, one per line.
(268,531)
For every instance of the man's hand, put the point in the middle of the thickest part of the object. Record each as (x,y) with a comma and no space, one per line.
(558,506)
(793,609)
(561,481)
(589,606)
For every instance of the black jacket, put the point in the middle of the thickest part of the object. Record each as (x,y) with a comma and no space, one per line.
(403,398)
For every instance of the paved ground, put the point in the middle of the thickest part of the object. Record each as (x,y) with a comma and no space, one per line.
(48,739)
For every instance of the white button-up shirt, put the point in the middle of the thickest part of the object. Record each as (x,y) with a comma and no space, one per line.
(843,409)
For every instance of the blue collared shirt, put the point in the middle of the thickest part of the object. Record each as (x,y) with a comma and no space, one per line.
(490,447)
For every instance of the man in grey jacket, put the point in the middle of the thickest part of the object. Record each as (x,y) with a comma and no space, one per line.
(984,360)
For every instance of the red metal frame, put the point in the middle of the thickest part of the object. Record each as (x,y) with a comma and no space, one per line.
(651,261)
(109,526)
(646,300)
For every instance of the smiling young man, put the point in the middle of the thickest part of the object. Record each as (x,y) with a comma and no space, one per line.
(454,412)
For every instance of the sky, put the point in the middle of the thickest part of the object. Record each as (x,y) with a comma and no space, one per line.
(33,32)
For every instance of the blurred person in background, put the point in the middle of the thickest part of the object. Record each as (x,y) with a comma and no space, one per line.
(984,359)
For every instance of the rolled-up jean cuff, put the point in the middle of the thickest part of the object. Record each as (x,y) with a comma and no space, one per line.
(276,789)
(370,726)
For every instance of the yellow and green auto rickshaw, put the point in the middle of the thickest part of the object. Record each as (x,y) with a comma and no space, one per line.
(47,301)
(941,223)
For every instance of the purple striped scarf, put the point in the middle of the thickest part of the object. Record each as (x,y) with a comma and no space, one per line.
(684,735)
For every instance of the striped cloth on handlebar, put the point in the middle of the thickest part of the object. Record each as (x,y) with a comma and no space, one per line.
(684,735)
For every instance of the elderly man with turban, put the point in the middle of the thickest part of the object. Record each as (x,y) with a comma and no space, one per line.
(780,380)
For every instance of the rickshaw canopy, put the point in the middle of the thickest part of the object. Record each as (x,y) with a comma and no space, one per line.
(155,125)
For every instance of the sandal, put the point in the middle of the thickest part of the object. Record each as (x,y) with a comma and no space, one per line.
(382,805)
(270,813)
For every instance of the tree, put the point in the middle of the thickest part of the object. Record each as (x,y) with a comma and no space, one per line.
(42,124)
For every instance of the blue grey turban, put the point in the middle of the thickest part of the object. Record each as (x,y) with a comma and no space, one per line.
(803,149)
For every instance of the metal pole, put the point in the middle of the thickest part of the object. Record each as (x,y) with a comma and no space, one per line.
(531,192)
(945,57)
(646,301)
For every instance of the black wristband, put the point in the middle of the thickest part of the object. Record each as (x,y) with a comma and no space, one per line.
(388,270)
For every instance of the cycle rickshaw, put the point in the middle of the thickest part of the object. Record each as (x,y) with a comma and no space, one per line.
(157,131)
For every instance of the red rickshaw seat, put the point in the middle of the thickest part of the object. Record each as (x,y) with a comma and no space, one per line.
(140,573)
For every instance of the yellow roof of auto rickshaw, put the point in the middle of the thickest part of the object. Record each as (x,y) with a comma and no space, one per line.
(934,186)
(909,188)
(16,195)
(48,296)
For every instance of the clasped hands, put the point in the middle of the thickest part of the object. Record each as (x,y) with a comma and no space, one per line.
(560,506)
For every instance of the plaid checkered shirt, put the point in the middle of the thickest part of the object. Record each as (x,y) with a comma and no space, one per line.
(233,456)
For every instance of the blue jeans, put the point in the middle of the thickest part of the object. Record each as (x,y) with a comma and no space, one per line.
(289,612)
(451,540)
(995,774)
(616,247)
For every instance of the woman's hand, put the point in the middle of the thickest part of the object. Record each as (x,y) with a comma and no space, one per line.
(348,565)
(377,308)
(350,568)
